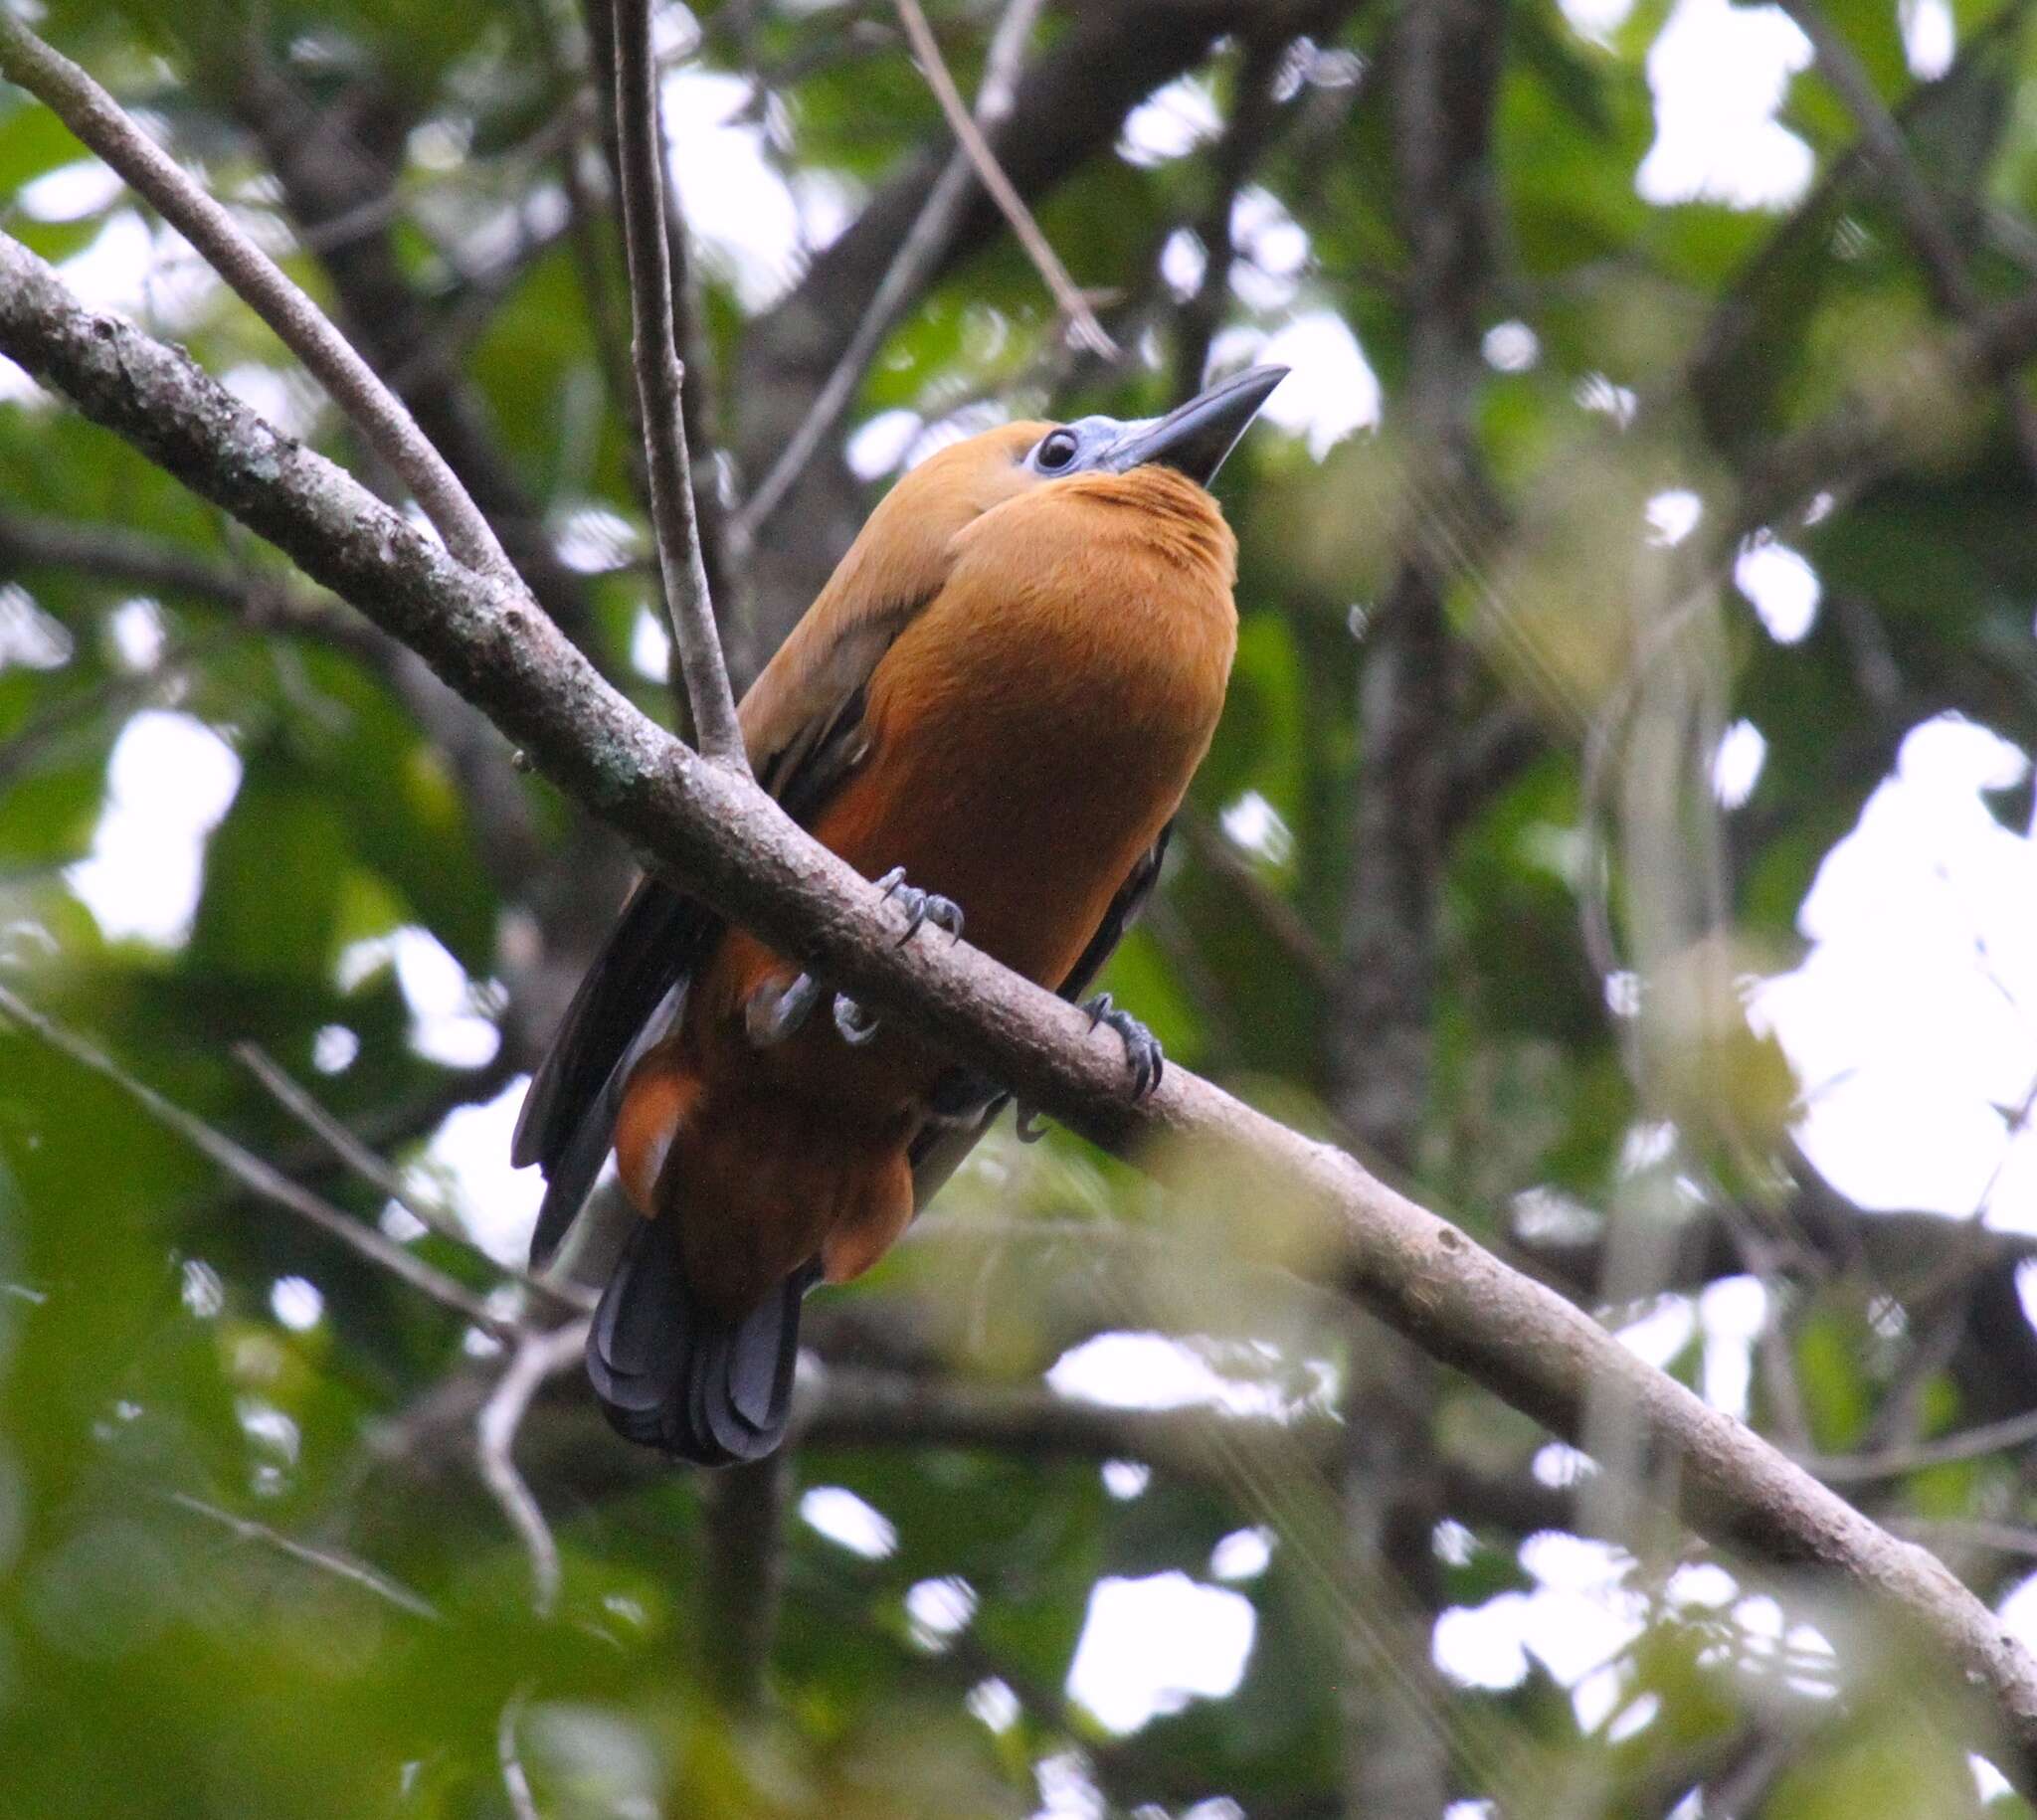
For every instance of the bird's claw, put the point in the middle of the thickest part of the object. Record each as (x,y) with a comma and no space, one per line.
(1142,1052)
(1142,1047)
(855,1025)
(770,1018)
(921,906)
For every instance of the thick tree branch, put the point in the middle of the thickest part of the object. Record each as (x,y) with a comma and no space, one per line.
(1443,60)
(640,149)
(727,843)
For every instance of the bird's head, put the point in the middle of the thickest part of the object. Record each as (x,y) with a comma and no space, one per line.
(960,484)
(1193,440)
(905,548)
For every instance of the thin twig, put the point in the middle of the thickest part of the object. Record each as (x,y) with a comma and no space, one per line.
(537,1357)
(102,123)
(1946,1450)
(376,1172)
(1066,294)
(918,254)
(515,1783)
(641,146)
(342,1143)
(326,1560)
(260,1178)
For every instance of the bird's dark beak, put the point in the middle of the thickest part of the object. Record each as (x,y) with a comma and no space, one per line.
(1197,435)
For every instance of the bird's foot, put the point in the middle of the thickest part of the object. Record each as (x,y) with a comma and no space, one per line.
(921,906)
(1142,1047)
(855,1025)
(859,1026)
(1142,1052)
(773,1013)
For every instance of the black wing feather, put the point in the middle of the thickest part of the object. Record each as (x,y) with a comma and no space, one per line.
(634,990)
(656,942)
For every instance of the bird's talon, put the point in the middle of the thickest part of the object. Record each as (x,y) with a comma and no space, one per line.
(770,1019)
(855,1025)
(1142,1047)
(1026,1123)
(920,906)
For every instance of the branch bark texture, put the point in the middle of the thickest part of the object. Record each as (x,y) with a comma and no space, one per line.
(719,836)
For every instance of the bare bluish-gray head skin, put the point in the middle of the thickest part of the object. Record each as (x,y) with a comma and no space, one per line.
(1195,439)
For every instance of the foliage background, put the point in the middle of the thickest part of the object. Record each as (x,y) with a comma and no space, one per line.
(1610,817)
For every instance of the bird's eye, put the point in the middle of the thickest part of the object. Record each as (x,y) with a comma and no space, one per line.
(1056,450)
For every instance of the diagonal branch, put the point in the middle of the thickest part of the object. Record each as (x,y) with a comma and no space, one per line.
(717,834)
(326,1560)
(641,146)
(1067,295)
(258,1177)
(919,257)
(97,119)
(365,1163)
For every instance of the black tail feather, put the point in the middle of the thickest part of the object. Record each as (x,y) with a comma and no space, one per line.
(671,1376)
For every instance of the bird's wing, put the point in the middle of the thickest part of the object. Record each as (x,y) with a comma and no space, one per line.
(802,722)
(939,1150)
(625,1002)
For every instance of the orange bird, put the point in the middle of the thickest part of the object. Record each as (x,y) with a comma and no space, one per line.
(1000,697)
